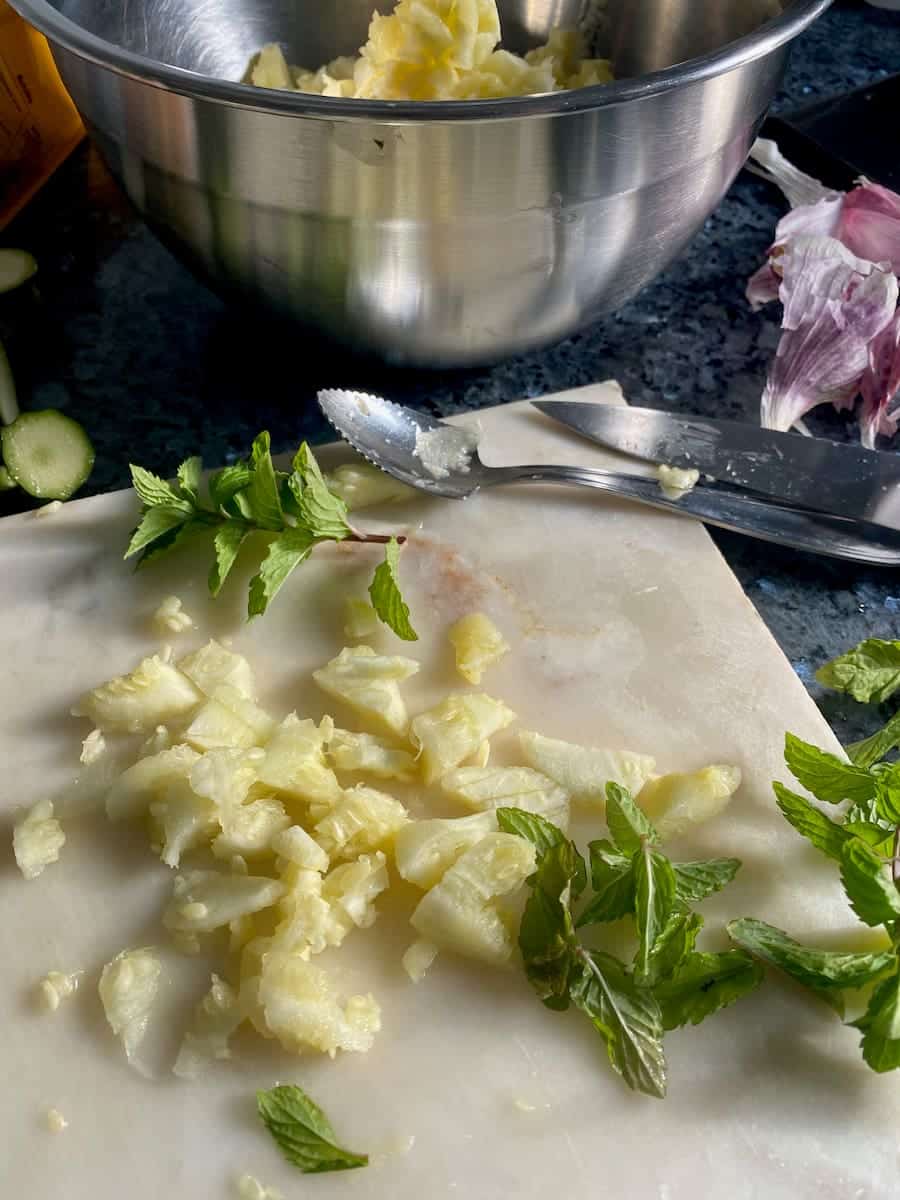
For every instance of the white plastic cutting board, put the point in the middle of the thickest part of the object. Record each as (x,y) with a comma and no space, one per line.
(627,629)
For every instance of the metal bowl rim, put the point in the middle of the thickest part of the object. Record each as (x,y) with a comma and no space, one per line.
(65,33)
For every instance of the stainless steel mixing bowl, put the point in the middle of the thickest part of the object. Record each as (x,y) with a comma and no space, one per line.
(431,233)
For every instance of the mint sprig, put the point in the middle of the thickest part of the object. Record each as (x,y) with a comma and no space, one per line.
(668,983)
(302,1131)
(864,841)
(251,500)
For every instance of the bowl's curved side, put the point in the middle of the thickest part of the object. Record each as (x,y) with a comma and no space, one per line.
(438,243)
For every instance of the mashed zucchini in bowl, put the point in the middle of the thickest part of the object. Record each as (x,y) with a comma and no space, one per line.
(437,50)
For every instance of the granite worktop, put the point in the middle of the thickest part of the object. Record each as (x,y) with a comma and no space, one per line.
(122,338)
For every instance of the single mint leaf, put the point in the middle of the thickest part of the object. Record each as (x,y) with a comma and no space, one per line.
(705,983)
(887,793)
(870,672)
(543,835)
(628,824)
(227,543)
(612,878)
(175,538)
(825,775)
(826,835)
(546,935)
(694,881)
(154,491)
(384,592)
(654,896)
(226,483)
(626,1017)
(155,524)
(818,969)
(672,948)
(880,1025)
(261,493)
(189,477)
(302,1132)
(324,514)
(864,821)
(871,893)
(285,552)
(871,749)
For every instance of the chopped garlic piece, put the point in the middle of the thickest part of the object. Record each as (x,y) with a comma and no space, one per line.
(459,914)
(213,665)
(47,510)
(296,846)
(128,987)
(481,788)
(676,802)
(369,684)
(482,755)
(216,1018)
(249,1188)
(296,1002)
(363,819)
(216,727)
(425,850)
(37,839)
(206,900)
(478,644)
(93,747)
(250,829)
(454,730)
(57,986)
(295,763)
(170,617)
(418,958)
(369,754)
(675,482)
(159,740)
(55,1121)
(133,792)
(360,618)
(154,692)
(584,771)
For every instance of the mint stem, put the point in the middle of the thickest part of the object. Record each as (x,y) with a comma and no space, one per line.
(895,859)
(380,539)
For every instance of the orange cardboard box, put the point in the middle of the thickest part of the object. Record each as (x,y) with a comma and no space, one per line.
(39,125)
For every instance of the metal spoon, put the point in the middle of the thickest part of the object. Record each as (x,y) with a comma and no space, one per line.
(385,433)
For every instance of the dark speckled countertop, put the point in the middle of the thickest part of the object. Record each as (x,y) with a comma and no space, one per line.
(155,367)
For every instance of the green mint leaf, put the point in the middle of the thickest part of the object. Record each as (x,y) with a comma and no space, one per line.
(887,793)
(189,477)
(819,969)
(154,491)
(880,1025)
(671,949)
(285,552)
(871,892)
(871,749)
(626,1017)
(546,935)
(864,821)
(627,823)
(172,540)
(387,601)
(543,835)
(612,878)
(155,524)
(694,881)
(825,775)
(870,672)
(324,514)
(826,835)
(302,1132)
(227,543)
(654,895)
(705,983)
(226,483)
(261,493)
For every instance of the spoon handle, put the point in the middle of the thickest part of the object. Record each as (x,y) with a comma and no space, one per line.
(837,537)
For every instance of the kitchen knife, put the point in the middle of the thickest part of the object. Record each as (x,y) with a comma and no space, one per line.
(832,477)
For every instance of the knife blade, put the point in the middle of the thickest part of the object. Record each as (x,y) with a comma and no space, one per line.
(833,477)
